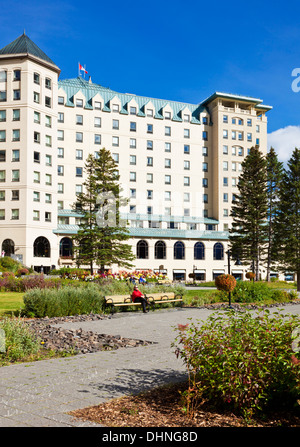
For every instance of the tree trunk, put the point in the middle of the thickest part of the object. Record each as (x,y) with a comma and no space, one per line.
(298,281)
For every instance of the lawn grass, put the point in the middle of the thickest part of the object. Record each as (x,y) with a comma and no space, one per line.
(11,302)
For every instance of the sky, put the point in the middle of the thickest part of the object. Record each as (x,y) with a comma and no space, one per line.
(176,50)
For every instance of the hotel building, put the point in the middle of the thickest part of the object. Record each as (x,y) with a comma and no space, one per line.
(178,163)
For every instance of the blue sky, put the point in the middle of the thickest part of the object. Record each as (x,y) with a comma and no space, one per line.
(175,50)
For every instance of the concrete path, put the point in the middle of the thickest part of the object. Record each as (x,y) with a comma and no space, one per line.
(40,394)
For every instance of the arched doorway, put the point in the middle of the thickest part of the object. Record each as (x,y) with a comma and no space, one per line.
(8,247)
(41,247)
(66,247)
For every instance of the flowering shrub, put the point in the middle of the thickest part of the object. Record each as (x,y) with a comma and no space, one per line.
(241,361)
(22,271)
(122,275)
(8,282)
(226,283)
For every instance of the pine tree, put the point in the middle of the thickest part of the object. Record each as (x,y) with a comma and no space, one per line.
(288,218)
(274,176)
(247,237)
(101,235)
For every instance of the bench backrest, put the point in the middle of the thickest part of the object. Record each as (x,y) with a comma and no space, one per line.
(117,298)
(159,296)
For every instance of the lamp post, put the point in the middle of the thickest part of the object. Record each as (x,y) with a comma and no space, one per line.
(237,262)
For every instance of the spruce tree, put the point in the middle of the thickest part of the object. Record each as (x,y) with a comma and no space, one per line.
(288,218)
(274,176)
(101,236)
(247,237)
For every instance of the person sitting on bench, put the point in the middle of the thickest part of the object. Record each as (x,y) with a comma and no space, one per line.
(138,297)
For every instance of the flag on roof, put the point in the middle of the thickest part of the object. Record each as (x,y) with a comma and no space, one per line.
(81,68)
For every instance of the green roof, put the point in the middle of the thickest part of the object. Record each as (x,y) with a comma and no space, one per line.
(24,45)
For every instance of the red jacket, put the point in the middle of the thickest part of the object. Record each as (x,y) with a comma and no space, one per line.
(136,294)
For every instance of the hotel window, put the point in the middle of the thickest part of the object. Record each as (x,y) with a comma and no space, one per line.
(225,181)
(233,135)
(240,166)
(186,196)
(225,165)
(149,112)
(79,102)
(48,139)
(17,75)
(150,145)
(2,116)
(17,95)
(186,133)
(2,176)
(132,143)
(2,196)
(186,118)
(36,215)
(186,212)
(257,141)
(257,128)
(225,197)
(47,101)
(36,196)
(2,156)
(132,159)
(186,149)
(115,157)
(36,117)
(61,100)
(79,171)
(115,107)
(249,136)
(78,189)
(225,212)
(15,214)
(167,180)
(2,95)
(204,167)
(168,213)
(240,151)
(233,150)
(15,175)
(2,136)
(167,115)
(186,164)
(60,135)
(149,128)
(79,137)
(205,135)
(233,181)
(47,216)
(48,160)
(2,214)
(60,205)
(132,126)
(149,194)
(60,170)
(167,147)
(16,155)
(16,135)
(36,97)
(96,155)
(149,178)
(97,139)
(240,136)
(79,120)
(167,195)
(48,179)
(132,209)
(132,176)
(225,118)
(249,122)
(186,181)
(233,166)
(36,157)
(115,141)
(97,121)
(16,115)
(79,154)
(205,120)
(115,124)
(167,131)
(15,194)
(60,152)
(48,198)
(167,163)
(149,210)
(132,110)
(36,78)
(97,105)
(60,188)
(48,83)
(205,151)
(225,134)
(149,161)
(205,198)
(205,183)
(132,193)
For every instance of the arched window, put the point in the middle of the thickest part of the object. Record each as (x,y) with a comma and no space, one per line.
(65,247)
(8,247)
(179,250)
(218,251)
(160,250)
(41,247)
(142,250)
(199,251)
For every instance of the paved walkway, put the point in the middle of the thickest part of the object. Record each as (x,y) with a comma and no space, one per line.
(40,394)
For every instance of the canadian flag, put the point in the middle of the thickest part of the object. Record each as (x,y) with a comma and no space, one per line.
(82,69)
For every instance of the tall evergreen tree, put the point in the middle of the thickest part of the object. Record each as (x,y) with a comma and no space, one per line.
(288,218)
(274,176)
(247,237)
(101,236)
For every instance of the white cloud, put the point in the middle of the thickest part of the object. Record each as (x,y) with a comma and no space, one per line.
(284,141)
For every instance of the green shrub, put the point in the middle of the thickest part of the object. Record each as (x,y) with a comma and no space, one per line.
(8,264)
(240,361)
(65,301)
(19,341)
(256,292)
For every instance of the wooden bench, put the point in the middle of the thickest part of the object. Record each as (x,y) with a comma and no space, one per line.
(164,281)
(114,301)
